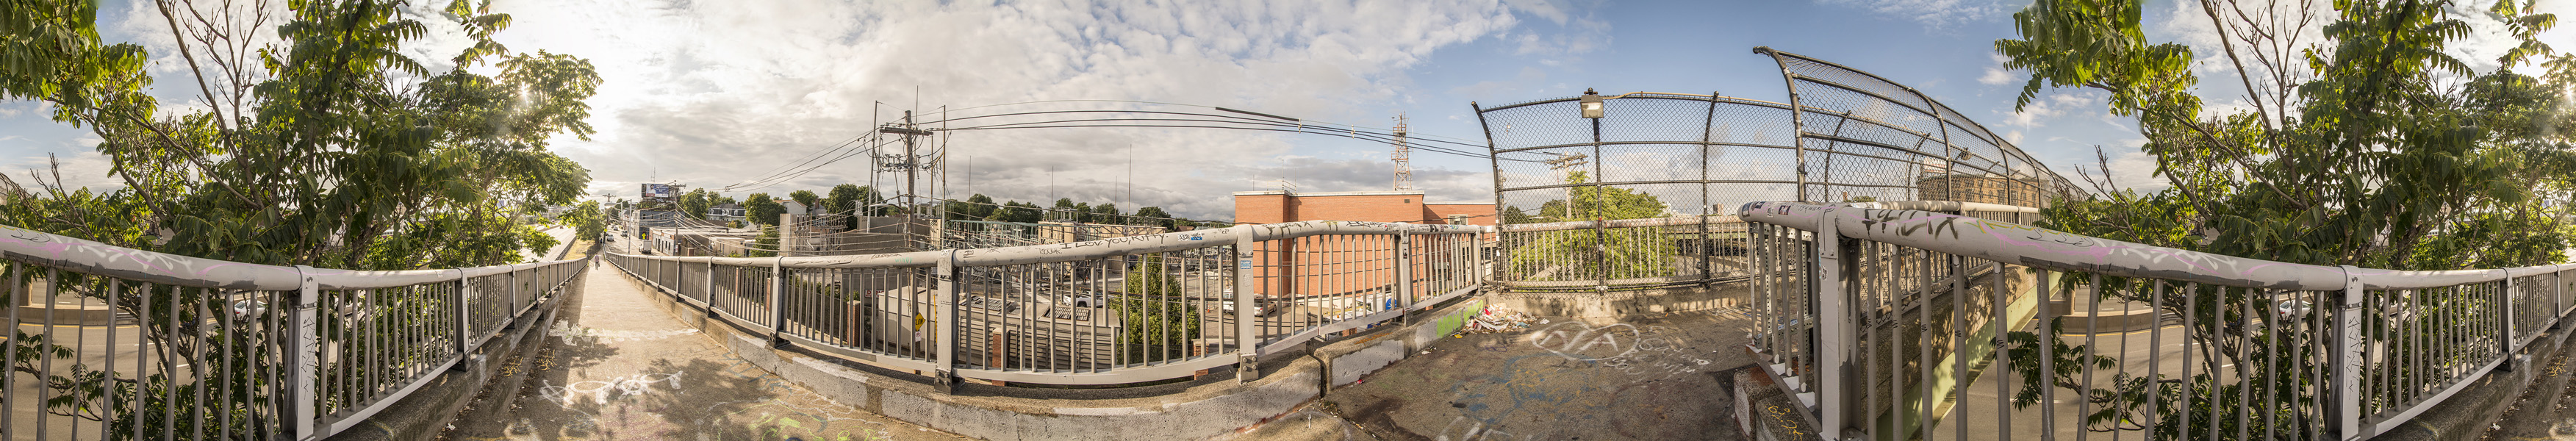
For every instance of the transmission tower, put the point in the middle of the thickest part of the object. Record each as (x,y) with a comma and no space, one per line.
(1403,156)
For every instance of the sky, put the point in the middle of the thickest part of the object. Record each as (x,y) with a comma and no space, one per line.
(713,94)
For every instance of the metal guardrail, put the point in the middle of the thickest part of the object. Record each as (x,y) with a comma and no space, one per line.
(193,348)
(1113,311)
(1867,312)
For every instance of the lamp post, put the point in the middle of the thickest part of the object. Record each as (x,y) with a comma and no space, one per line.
(1593,107)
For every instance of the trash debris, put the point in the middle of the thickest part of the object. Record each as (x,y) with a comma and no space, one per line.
(1498,319)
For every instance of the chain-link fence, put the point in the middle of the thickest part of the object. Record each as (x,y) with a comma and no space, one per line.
(1845,136)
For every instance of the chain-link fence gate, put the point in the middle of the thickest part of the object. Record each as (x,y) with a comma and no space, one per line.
(1636,191)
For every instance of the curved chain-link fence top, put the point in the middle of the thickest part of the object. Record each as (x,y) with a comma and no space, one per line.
(1855,136)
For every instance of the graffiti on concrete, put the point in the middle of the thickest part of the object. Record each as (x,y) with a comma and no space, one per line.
(563,329)
(1470,429)
(1654,351)
(599,390)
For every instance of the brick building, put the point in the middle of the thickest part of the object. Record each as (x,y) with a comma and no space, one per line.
(1315,269)
(1275,206)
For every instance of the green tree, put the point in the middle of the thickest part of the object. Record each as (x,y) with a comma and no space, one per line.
(1586,254)
(2353,151)
(807,199)
(1156,216)
(1107,214)
(587,220)
(762,209)
(694,203)
(1155,315)
(317,140)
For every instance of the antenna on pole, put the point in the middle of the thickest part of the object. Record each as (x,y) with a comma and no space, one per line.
(1403,156)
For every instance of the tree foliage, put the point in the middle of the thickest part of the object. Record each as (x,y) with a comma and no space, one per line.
(314,139)
(2371,147)
(762,209)
(1586,254)
(1152,308)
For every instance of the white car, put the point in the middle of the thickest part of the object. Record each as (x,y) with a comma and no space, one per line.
(1258,309)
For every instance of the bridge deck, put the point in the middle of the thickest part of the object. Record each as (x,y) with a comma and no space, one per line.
(615,366)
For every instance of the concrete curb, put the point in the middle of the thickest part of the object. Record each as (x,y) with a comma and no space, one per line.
(1613,305)
(1215,406)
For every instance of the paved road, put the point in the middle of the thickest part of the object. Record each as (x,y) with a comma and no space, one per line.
(616,367)
(563,238)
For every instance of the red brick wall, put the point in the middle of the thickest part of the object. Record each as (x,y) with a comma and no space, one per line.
(1261,208)
(1477,214)
(1333,265)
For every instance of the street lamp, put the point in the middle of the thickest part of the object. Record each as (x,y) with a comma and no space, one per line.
(1591,104)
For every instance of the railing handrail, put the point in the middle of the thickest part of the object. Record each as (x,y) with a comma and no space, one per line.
(1084,250)
(98,258)
(1624,223)
(2057,250)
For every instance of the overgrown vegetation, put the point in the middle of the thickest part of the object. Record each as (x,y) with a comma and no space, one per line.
(2360,141)
(314,140)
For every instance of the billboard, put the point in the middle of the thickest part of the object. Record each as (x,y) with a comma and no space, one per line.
(660,191)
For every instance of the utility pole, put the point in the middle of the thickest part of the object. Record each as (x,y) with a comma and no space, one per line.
(1403,156)
(910,162)
(1562,162)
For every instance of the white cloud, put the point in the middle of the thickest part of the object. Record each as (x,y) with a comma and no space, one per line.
(1997,75)
(712,93)
(1935,14)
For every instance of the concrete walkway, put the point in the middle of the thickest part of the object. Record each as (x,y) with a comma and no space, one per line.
(616,367)
(1649,377)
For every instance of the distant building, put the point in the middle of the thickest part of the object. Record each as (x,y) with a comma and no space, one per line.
(726,212)
(1274,206)
(1328,270)
(1981,188)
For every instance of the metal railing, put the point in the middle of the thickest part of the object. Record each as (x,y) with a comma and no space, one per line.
(1866,312)
(1844,135)
(130,344)
(1113,311)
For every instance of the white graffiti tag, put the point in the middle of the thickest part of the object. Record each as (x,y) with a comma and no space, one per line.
(1468,429)
(563,329)
(598,390)
(1650,352)
(1583,342)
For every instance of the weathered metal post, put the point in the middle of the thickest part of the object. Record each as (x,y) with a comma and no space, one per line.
(302,389)
(943,305)
(777,298)
(1403,288)
(2348,357)
(464,312)
(2505,340)
(1247,341)
(1831,273)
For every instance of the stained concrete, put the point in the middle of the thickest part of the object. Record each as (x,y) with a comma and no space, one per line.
(614,366)
(1652,376)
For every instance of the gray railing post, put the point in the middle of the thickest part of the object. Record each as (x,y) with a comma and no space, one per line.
(2348,358)
(710,283)
(1830,321)
(1404,277)
(464,313)
(777,299)
(303,391)
(944,305)
(1247,343)
(2504,342)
